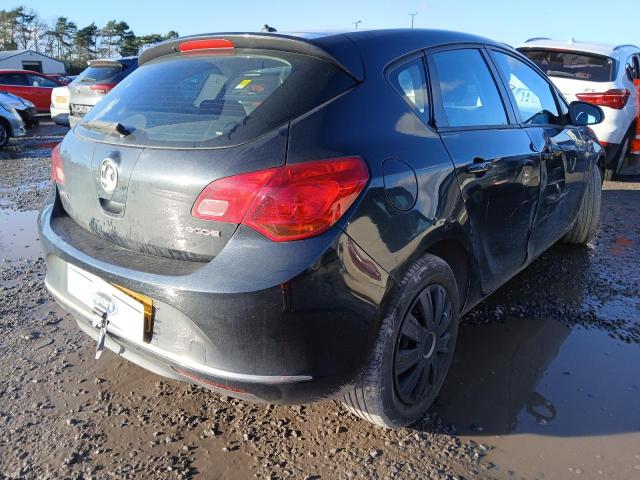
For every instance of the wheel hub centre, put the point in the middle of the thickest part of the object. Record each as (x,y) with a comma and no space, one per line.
(429,345)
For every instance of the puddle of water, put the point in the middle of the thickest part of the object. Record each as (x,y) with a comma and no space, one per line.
(30,147)
(616,308)
(19,235)
(553,401)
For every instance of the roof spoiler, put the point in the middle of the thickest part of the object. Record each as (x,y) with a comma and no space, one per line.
(535,39)
(343,54)
(107,62)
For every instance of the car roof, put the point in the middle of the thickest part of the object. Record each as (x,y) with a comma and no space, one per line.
(12,70)
(607,49)
(428,37)
(122,60)
(348,49)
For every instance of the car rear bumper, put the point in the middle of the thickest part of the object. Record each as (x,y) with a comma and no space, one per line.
(60,115)
(281,323)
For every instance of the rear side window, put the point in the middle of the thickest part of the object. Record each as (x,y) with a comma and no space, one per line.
(409,81)
(213,100)
(531,93)
(469,93)
(574,65)
(13,79)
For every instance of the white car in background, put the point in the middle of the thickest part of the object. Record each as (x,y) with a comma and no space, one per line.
(600,74)
(60,105)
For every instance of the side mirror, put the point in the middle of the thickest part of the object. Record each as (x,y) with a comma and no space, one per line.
(583,113)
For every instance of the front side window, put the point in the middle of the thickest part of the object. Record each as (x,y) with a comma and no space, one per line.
(531,93)
(38,81)
(409,81)
(469,94)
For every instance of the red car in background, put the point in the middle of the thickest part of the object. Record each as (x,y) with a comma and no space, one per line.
(29,85)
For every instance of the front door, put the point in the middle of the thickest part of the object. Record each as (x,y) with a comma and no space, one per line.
(41,88)
(562,147)
(496,166)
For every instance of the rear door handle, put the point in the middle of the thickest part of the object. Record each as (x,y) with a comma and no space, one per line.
(479,165)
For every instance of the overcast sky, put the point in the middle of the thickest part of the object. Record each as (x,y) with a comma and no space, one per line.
(612,21)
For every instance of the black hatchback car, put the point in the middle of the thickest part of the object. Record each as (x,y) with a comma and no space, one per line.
(292,218)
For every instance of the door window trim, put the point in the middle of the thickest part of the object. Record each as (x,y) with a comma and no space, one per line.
(439,115)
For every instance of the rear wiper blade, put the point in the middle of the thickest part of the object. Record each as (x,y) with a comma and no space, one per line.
(87,79)
(108,127)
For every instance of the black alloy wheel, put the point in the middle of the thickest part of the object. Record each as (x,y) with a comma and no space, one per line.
(423,346)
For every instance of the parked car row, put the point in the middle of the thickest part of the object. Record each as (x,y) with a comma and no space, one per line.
(33,86)
(66,98)
(596,73)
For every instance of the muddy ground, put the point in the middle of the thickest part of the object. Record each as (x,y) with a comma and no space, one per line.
(545,382)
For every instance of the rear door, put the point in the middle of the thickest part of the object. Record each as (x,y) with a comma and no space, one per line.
(496,166)
(562,146)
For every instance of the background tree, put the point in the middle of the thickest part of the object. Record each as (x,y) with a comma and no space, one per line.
(23,28)
(8,28)
(63,33)
(85,42)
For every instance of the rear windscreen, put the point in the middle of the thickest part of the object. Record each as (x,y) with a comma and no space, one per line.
(96,74)
(214,100)
(575,65)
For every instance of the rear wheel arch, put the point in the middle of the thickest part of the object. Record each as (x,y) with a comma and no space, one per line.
(454,249)
(457,257)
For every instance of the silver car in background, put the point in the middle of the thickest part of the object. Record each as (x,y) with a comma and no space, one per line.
(95,82)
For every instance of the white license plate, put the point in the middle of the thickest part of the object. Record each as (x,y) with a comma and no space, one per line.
(125,315)
(80,109)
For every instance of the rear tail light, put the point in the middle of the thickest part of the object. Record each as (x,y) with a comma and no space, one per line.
(615,98)
(286,203)
(57,174)
(102,87)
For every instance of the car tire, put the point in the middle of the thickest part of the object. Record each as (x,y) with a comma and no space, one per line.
(625,146)
(5,134)
(414,348)
(584,228)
